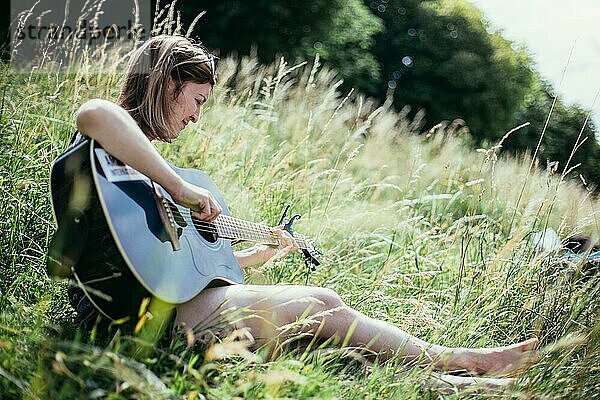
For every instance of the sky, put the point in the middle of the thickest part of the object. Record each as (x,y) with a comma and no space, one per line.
(549,29)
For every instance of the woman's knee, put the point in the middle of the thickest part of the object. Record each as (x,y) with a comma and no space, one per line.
(327,298)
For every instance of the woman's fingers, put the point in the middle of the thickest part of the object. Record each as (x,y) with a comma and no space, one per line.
(212,210)
(209,210)
(199,200)
(286,240)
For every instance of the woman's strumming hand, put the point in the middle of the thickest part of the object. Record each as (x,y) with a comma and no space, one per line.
(197,199)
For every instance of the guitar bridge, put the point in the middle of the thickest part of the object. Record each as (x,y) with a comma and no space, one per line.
(167,218)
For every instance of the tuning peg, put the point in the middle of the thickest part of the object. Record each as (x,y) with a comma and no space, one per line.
(288,226)
(283,215)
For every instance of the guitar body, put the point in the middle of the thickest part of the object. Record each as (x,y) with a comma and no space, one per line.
(128,255)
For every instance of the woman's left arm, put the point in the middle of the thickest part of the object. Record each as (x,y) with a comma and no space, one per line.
(261,254)
(256,255)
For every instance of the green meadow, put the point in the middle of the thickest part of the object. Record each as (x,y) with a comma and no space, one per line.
(417,228)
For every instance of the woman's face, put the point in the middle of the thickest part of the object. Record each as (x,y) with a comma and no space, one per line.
(188,104)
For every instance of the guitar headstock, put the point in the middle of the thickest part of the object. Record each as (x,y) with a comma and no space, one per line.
(310,253)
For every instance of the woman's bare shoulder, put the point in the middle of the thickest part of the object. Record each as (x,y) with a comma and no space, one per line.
(95,105)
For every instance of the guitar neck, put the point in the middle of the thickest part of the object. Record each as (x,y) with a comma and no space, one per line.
(228,227)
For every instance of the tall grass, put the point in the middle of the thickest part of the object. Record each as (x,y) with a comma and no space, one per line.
(416,229)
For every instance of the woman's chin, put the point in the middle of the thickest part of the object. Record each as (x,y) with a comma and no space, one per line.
(174,135)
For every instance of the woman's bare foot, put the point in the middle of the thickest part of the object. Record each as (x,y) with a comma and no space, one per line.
(492,360)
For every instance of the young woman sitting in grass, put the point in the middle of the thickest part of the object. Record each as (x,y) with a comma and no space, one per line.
(168,81)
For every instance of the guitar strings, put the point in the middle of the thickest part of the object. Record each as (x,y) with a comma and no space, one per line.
(260,232)
(229,223)
(253,230)
(236,224)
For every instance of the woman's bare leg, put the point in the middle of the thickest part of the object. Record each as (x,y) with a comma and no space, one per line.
(278,312)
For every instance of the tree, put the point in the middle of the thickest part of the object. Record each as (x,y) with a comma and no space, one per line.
(438,55)
(340,31)
(565,126)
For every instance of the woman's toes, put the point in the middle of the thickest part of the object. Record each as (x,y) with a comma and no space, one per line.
(530,344)
(527,345)
(513,361)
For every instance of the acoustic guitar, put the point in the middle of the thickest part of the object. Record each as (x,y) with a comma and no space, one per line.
(125,241)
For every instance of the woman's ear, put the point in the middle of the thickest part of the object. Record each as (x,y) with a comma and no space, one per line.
(172,88)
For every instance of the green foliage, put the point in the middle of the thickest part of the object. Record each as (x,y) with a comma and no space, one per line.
(439,56)
(567,139)
(340,31)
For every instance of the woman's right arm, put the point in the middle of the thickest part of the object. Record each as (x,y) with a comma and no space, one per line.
(119,134)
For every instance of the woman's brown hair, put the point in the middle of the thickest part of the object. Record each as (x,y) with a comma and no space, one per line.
(145,92)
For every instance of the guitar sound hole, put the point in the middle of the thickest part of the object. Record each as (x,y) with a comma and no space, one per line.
(179,220)
(206,229)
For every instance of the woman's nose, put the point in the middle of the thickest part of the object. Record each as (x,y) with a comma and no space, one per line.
(194,117)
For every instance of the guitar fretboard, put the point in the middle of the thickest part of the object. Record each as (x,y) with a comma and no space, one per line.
(233,228)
